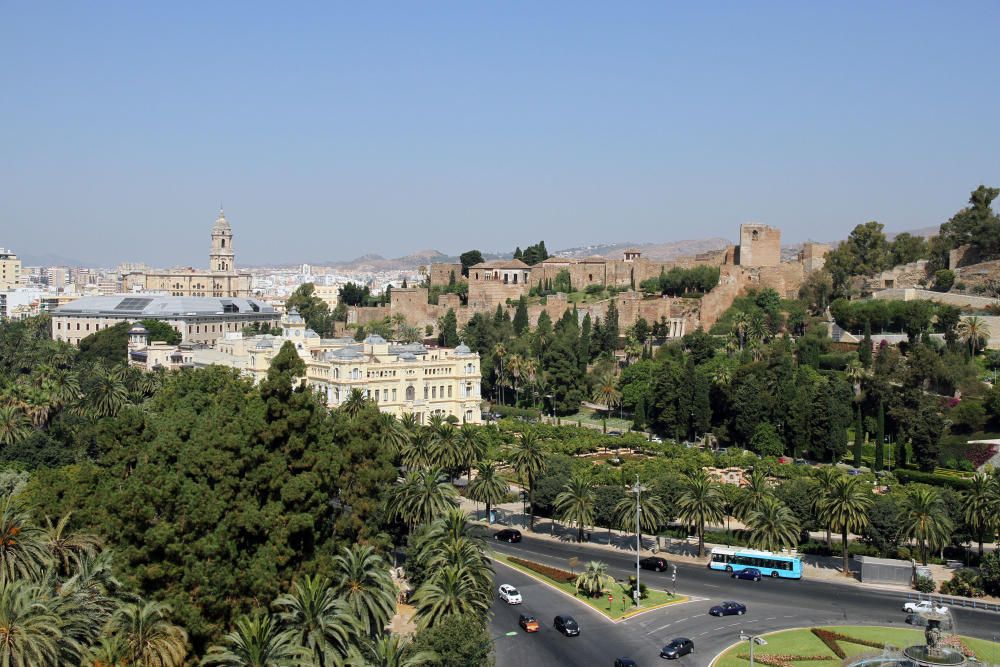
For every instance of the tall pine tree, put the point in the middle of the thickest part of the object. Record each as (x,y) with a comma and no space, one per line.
(521,316)
(880,437)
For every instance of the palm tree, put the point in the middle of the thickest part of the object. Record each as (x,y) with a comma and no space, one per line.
(488,487)
(924,517)
(391,651)
(500,353)
(362,579)
(65,387)
(450,591)
(973,330)
(325,625)
(30,631)
(741,322)
(594,579)
(354,404)
(445,447)
(150,639)
(257,641)
(422,496)
(700,502)
(845,508)
(107,395)
(22,554)
(772,525)
(855,372)
(472,446)
(417,450)
(826,476)
(392,434)
(66,548)
(981,506)
(575,504)
(606,391)
(758,488)
(13,425)
(529,460)
(653,513)
(758,329)
(108,652)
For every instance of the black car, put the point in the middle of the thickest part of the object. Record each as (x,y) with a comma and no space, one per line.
(728,608)
(508,535)
(625,662)
(677,648)
(654,563)
(566,625)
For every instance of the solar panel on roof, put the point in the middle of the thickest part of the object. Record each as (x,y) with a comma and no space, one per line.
(133,304)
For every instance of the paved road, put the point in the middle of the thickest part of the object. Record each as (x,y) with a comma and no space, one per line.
(772,605)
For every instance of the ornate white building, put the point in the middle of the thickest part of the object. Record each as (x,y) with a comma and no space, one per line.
(221,280)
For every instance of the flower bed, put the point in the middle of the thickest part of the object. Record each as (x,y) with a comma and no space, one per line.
(782,660)
(553,573)
(833,639)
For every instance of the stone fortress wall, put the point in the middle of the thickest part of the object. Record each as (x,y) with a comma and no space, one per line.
(753,264)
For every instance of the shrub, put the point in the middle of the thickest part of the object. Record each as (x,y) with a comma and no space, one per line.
(966,583)
(924,584)
(553,573)
(989,570)
(905,475)
(943,280)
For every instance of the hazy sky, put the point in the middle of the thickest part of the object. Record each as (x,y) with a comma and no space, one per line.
(329,129)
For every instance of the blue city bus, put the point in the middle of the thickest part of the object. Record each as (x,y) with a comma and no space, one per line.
(734,559)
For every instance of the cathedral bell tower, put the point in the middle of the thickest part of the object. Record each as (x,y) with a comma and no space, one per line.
(222,259)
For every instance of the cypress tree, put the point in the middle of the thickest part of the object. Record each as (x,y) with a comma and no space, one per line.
(865,351)
(583,347)
(639,419)
(880,437)
(521,316)
(859,437)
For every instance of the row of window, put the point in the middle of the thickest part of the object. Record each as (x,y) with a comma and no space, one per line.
(410,393)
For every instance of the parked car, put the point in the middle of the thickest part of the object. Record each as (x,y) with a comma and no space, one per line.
(913,607)
(567,625)
(614,432)
(677,647)
(801,462)
(654,563)
(656,438)
(728,608)
(853,472)
(509,535)
(750,573)
(528,623)
(509,594)
(625,662)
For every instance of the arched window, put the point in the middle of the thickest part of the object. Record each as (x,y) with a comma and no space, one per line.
(754,235)
(223,243)
(411,393)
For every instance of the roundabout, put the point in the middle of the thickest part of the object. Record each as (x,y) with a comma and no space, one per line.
(859,645)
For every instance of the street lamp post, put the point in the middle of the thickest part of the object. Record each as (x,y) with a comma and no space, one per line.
(752,639)
(637,490)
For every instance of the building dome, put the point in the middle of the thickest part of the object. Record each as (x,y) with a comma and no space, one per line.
(221,224)
(137,330)
(374,339)
(463,349)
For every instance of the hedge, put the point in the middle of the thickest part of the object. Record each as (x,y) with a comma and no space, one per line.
(905,475)
(553,573)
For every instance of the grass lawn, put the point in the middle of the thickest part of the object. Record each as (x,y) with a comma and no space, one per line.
(805,643)
(592,417)
(655,600)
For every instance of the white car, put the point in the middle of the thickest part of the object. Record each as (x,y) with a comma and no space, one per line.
(924,605)
(509,594)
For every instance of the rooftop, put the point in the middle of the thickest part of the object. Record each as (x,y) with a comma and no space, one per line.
(153,306)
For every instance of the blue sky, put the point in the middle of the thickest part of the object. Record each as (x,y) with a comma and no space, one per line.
(329,130)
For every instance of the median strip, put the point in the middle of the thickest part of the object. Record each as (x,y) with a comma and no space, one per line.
(619,608)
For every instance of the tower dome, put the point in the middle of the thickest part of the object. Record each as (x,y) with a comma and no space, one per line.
(221,223)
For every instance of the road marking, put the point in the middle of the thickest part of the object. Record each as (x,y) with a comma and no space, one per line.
(771,618)
(651,632)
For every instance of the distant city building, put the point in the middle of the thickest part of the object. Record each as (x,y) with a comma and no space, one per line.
(57,277)
(221,280)
(401,378)
(10,269)
(198,319)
